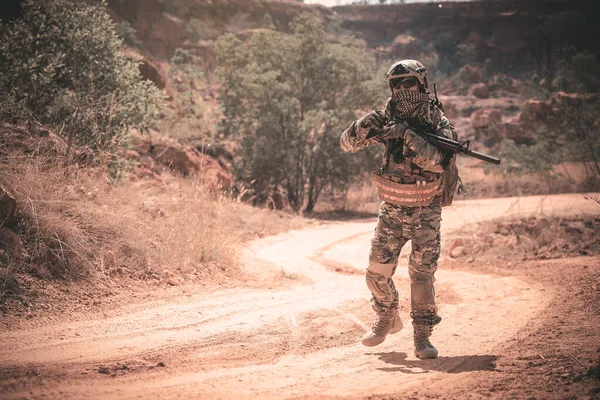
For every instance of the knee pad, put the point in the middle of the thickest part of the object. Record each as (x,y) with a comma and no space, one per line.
(423,294)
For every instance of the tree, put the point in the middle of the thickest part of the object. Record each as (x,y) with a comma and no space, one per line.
(286,99)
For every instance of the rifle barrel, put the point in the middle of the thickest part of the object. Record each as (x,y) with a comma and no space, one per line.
(452,145)
(484,157)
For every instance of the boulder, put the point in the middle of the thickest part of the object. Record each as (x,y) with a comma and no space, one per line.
(8,207)
(533,110)
(457,252)
(479,90)
(485,117)
(11,245)
(186,160)
(10,242)
(515,133)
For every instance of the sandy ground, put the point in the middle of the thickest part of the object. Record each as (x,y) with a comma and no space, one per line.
(302,339)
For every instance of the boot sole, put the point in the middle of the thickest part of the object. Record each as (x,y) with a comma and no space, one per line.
(429,357)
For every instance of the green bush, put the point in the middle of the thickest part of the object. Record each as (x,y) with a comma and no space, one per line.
(488,69)
(586,69)
(62,65)
(522,159)
(127,32)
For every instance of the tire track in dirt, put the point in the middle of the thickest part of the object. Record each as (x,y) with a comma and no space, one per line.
(276,331)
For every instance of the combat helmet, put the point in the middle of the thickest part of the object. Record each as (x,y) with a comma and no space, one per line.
(407,68)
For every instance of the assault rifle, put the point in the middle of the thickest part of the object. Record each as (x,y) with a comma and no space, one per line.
(443,142)
(427,132)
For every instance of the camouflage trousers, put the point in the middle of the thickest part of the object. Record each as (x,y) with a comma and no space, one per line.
(397,225)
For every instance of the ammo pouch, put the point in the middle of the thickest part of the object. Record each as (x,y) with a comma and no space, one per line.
(418,194)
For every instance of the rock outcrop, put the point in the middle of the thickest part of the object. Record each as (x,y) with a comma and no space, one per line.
(154,155)
(11,246)
(486,117)
(165,25)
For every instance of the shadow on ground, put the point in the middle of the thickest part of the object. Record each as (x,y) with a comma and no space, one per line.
(341,215)
(452,365)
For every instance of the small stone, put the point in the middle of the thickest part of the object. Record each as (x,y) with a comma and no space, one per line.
(457,252)
(480,90)
(161,364)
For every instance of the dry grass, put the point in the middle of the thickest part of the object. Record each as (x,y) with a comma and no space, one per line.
(77,225)
(360,201)
(563,178)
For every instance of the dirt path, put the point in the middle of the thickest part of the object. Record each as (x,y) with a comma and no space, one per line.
(301,341)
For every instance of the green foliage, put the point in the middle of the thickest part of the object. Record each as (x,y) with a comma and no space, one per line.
(488,69)
(187,114)
(522,159)
(466,52)
(63,66)
(463,75)
(267,21)
(446,46)
(586,69)
(568,134)
(127,32)
(286,99)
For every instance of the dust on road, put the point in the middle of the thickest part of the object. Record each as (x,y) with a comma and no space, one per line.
(298,341)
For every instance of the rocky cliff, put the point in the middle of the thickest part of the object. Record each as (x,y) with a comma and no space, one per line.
(163,25)
(514,34)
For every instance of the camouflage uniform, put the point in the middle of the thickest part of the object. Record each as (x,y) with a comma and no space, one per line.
(397,225)
(411,158)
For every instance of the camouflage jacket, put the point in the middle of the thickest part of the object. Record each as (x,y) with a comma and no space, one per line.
(421,155)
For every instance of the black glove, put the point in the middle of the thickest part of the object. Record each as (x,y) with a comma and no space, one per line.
(374,121)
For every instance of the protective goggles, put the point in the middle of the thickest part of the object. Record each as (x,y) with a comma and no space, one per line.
(406,83)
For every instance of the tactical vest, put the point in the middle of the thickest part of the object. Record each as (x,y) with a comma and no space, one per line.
(401,182)
(405,184)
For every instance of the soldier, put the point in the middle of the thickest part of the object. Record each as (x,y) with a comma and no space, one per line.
(411,185)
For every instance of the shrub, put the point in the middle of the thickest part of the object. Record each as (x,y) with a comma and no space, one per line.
(63,66)
(522,159)
(127,32)
(586,69)
(488,69)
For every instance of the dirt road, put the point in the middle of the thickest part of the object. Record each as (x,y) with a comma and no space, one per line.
(296,340)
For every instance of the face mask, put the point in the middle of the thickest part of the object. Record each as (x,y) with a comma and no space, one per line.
(407,103)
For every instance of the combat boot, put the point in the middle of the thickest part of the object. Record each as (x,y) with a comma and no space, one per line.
(423,347)
(388,322)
